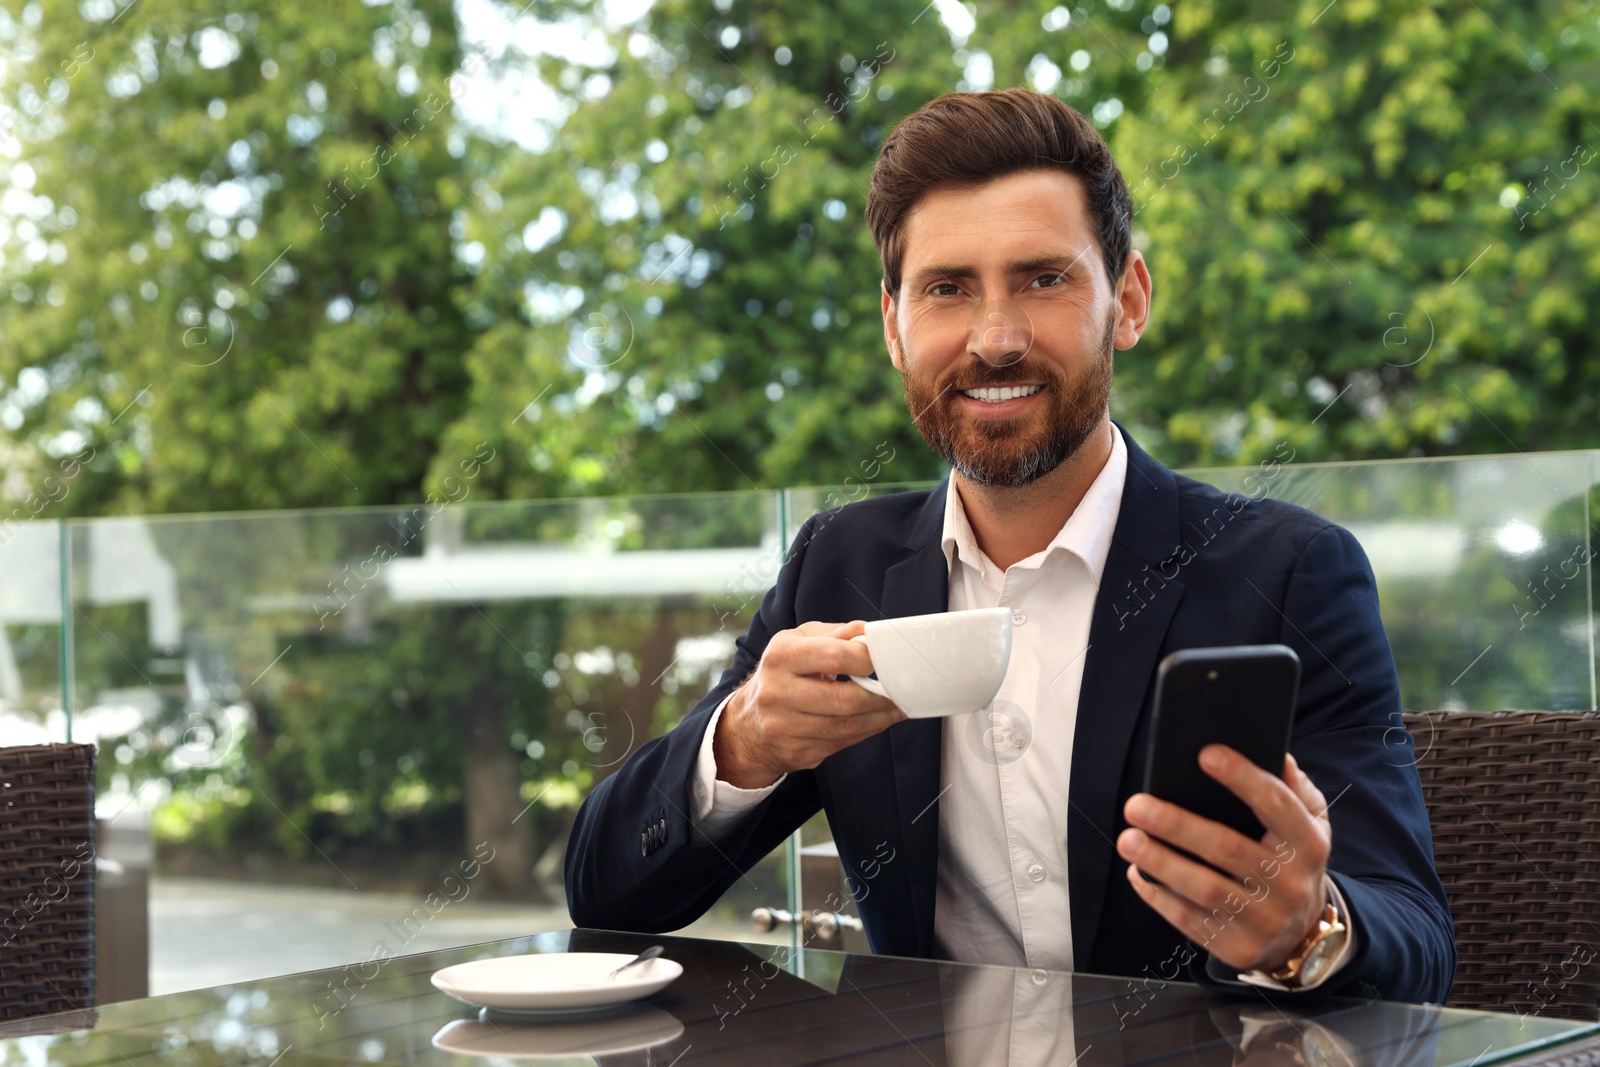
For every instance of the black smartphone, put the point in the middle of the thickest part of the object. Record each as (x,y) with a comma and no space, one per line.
(1242,696)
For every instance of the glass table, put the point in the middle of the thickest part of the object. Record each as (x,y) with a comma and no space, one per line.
(774,1007)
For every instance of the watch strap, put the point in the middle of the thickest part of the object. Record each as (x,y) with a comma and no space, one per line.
(1341,956)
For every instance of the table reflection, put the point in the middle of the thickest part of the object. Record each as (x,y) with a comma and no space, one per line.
(768,1006)
(633,1028)
(1026,1018)
(792,1008)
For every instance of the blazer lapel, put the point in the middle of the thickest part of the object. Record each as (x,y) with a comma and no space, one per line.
(1139,593)
(919,585)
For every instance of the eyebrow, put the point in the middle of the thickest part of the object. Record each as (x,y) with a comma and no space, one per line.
(1017,266)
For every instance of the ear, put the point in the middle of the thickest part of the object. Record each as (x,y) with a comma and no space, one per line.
(891,329)
(1133,301)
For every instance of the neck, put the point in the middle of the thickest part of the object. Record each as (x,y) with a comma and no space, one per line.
(1012,524)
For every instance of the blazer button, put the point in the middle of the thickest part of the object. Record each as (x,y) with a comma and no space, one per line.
(644,844)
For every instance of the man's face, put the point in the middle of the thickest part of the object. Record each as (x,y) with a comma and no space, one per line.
(1005,324)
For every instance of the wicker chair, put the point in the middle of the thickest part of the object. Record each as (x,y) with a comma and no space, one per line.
(1514,799)
(46,879)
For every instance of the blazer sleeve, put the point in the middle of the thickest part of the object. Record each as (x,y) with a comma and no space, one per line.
(1350,739)
(634,860)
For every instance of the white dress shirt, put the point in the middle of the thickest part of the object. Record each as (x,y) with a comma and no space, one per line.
(1016,1018)
(1002,882)
(1002,894)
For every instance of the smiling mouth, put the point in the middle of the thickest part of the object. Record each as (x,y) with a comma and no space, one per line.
(1000,394)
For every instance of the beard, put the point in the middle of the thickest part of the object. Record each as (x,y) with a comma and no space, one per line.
(1008,453)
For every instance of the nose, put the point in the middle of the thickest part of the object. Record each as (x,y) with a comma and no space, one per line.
(1000,332)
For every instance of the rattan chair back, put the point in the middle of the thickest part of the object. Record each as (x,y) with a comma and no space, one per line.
(1514,800)
(46,879)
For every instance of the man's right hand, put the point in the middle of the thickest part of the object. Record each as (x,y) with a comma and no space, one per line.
(791,714)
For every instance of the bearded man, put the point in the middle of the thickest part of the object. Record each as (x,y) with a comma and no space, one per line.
(1009,281)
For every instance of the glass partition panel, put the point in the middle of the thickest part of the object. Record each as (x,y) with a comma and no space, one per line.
(1482,566)
(365,732)
(361,733)
(31,708)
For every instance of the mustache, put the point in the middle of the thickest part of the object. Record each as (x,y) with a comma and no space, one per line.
(1020,373)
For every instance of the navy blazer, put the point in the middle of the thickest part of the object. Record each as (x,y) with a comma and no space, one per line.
(1189,566)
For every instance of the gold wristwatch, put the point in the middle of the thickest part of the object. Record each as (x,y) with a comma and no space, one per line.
(1311,959)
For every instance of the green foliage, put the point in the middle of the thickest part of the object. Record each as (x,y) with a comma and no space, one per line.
(363,737)
(726,331)
(1322,196)
(236,271)
(1367,202)
(377,730)
(1388,204)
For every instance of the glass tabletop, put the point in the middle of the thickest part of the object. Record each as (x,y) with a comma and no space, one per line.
(771,1006)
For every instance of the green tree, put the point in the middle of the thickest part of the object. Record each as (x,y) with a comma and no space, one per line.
(231,282)
(1391,206)
(688,297)
(233,277)
(1374,204)
(1367,206)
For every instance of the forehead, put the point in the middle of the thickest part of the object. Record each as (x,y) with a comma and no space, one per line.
(1020,214)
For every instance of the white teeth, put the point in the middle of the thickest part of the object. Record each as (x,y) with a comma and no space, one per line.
(995,395)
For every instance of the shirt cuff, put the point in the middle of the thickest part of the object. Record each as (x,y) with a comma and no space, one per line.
(718,804)
(1266,981)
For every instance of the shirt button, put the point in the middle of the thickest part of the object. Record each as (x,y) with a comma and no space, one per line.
(1019,617)
(1036,872)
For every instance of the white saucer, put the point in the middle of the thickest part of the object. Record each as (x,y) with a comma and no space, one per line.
(629,1029)
(554,981)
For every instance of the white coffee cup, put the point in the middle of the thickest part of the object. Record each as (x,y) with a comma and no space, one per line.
(948,663)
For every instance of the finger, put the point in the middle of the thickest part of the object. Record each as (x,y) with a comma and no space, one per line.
(810,628)
(1220,845)
(1275,804)
(1191,880)
(820,654)
(1223,932)
(1312,797)
(826,735)
(818,628)
(827,698)
(1182,914)
(854,728)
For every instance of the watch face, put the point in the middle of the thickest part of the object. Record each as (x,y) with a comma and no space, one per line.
(1321,956)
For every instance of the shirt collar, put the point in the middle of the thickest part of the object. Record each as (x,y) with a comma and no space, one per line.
(1086,533)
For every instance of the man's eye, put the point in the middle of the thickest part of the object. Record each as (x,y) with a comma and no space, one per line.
(942,287)
(1047,281)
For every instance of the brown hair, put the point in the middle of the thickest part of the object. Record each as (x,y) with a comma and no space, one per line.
(970,138)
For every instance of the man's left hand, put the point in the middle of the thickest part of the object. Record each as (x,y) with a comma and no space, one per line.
(1275,891)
